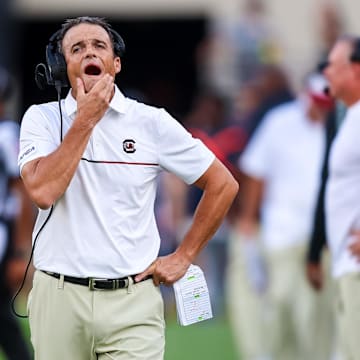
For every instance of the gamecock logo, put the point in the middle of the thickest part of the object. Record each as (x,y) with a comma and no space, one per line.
(129,146)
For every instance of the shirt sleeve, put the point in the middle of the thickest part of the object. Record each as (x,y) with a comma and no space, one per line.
(36,136)
(180,153)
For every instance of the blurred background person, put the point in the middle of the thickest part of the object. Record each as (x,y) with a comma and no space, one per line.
(318,260)
(330,28)
(16,219)
(245,280)
(245,303)
(282,163)
(342,70)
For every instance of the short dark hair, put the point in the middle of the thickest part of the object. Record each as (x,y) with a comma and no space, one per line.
(94,20)
(354,42)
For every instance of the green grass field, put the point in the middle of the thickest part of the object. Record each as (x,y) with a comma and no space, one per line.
(208,340)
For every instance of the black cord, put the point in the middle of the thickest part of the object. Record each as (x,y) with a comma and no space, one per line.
(58,90)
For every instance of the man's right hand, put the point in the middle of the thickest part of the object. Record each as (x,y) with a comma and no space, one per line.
(92,106)
(315,275)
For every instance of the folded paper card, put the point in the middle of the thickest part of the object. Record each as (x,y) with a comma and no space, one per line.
(192,297)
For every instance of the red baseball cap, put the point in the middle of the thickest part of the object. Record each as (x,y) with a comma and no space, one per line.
(317,88)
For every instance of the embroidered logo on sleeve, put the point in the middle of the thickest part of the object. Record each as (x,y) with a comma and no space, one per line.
(27,151)
(129,146)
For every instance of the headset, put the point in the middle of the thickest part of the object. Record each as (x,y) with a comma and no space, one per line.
(54,73)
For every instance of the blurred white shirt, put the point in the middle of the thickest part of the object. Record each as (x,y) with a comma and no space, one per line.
(286,152)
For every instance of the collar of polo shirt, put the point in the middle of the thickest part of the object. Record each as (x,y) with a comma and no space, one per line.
(118,103)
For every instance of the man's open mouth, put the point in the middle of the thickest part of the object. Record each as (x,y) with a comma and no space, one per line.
(92,69)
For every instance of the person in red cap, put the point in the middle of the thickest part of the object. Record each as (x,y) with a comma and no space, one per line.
(282,163)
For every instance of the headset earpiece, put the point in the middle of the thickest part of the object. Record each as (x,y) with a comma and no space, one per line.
(54,73)
(56,62)
(41,76)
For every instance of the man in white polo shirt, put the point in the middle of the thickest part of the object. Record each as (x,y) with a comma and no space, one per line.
(92,169)
(283,162)
(342,199)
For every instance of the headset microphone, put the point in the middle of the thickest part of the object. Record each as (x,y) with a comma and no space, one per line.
(42,77)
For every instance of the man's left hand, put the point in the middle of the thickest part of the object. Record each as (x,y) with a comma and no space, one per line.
(166,269)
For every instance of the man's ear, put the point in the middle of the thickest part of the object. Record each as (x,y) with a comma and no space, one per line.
(117,64)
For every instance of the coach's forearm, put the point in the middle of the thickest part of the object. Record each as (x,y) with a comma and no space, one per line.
(220,189)
(47,178)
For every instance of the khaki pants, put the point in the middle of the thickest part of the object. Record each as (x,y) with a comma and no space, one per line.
(348,311)
(69,321)
(301,321)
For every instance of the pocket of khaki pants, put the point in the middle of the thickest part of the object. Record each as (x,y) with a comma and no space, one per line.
(28,303)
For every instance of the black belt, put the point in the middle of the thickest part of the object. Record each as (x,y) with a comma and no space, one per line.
(96,283)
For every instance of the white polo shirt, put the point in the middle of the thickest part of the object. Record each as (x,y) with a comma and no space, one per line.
(286,152)
(104,224)
(342,199)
